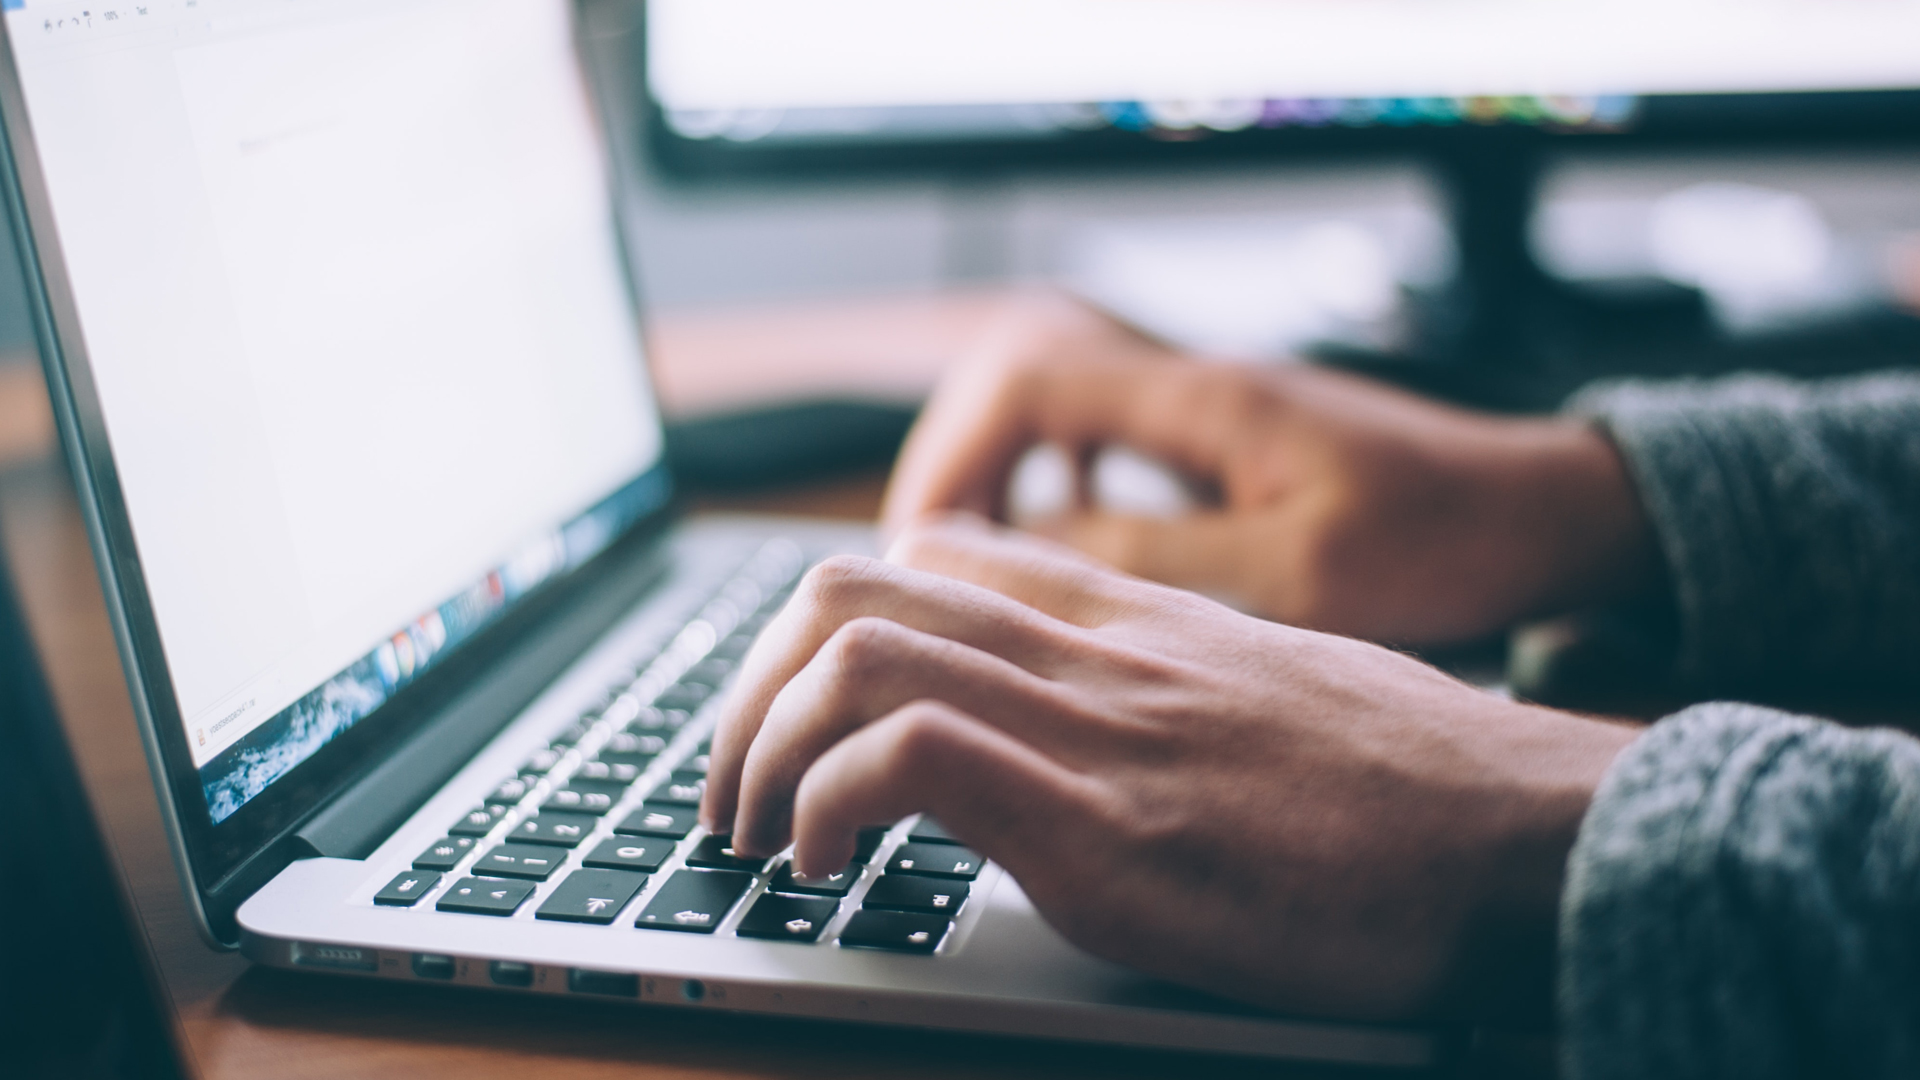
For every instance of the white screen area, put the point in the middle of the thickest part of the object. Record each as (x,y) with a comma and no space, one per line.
(787,54)
(351,297)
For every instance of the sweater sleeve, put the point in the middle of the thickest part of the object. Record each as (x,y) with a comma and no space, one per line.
(1789,517)
(1744,901)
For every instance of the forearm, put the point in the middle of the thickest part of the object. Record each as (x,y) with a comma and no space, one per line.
(1744,900)
(1788,518)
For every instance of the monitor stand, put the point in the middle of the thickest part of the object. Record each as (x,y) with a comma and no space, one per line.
(1506,334)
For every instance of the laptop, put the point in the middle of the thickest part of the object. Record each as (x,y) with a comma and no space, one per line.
(340,332)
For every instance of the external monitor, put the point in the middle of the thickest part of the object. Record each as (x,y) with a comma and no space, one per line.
(1483,90)
(740,81)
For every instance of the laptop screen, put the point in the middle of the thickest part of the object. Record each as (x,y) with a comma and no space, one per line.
(352,301)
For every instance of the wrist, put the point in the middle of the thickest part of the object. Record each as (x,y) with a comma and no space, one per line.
(1504,973)
(1597,544)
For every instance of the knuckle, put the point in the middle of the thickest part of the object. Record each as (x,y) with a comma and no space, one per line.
(836,578)
(863,647)
(920,737)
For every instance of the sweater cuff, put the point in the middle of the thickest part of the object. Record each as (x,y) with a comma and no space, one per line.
(1743,901)
(1694,499)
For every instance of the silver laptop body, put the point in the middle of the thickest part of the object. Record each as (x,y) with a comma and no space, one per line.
(334,310)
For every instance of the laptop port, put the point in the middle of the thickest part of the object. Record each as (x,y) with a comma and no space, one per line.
(693,989)
(510,973)
(432,965)
(344,957)
(610,983)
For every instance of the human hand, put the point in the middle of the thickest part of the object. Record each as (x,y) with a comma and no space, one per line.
(1292,819)
(1339,504)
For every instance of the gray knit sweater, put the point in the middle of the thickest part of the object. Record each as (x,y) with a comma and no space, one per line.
(1744,897)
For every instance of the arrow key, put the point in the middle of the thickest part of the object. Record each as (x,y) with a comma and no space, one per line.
(592,896)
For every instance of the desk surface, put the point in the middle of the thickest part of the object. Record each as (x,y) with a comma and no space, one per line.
(240,1021)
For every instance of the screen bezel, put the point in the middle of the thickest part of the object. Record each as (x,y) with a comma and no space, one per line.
(212,858)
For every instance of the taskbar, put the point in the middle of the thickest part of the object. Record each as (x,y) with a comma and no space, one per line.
(244,770)
(1162,119)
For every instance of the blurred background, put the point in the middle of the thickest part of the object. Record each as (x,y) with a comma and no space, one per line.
(1792,252)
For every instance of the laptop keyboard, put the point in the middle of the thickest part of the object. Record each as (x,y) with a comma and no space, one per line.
(583,829)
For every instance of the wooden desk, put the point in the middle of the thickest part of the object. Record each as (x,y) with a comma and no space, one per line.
(239,1021)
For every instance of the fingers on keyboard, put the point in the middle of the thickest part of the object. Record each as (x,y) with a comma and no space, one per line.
(716,852)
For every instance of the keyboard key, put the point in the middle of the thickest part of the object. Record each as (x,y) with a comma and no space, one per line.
(834,884)
(407,889)
(652,719)
(619,772)
(592,896)
(572,736)
(510,792)
(735,646)
(929,831)
(520,861)
(631,744)
(899,931)
(905,892)
(694,901)
(653,819)
(478,821)
(681,789)
(586,796)
(867,841)
(628,853)
(554,828)
(683,696)
(711,672)
(698,764)
(787,918)
(935,860)
(675,719)
(579,802)
(485,896)
(542,760)
(716,852)
(444,854)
